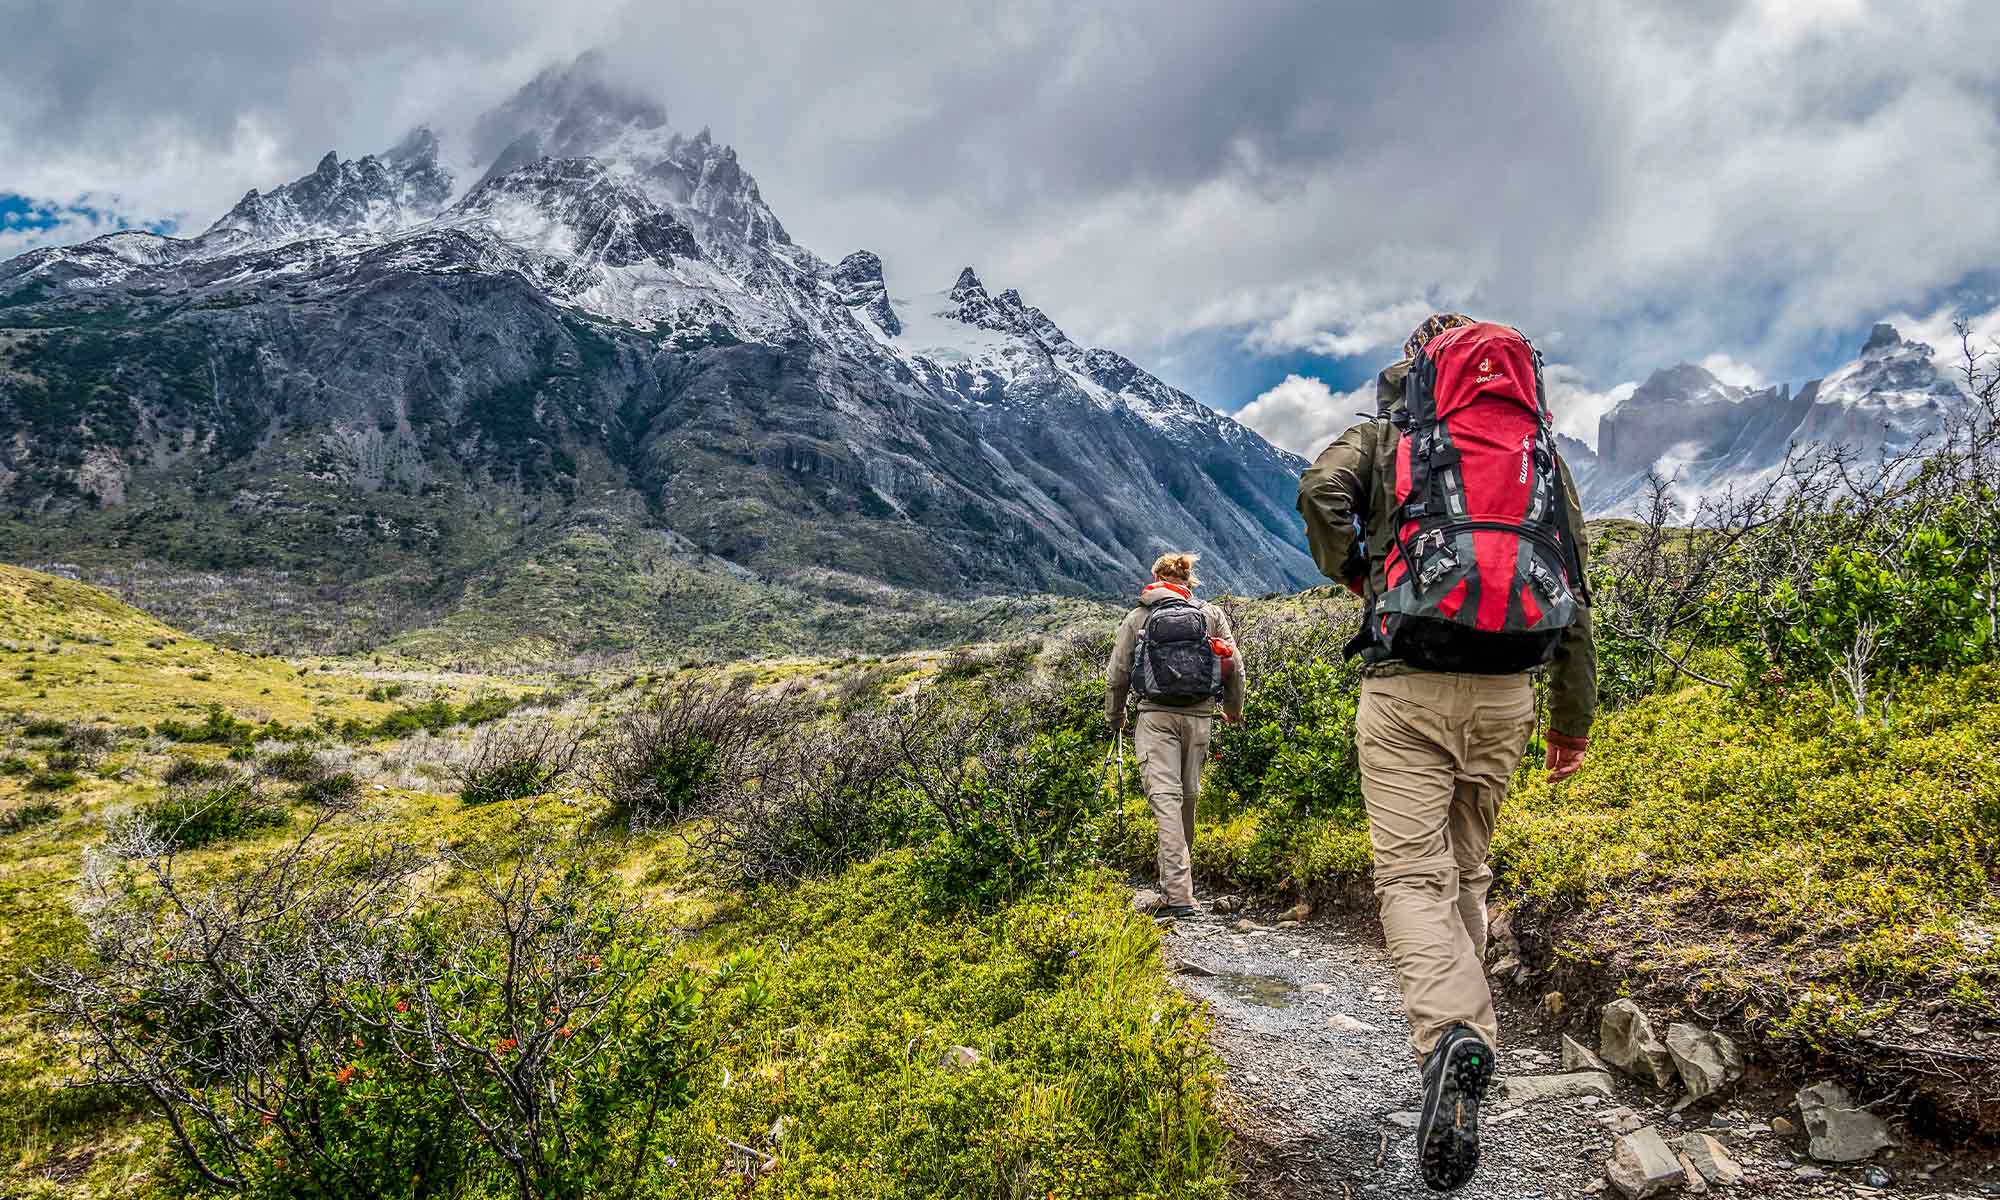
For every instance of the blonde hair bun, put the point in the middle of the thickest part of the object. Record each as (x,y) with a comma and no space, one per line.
(1177,567)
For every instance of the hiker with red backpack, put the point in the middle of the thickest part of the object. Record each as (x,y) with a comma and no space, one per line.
(1454,518)
(1177,657)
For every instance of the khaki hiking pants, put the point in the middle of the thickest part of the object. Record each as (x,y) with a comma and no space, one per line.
(1437,751)
(1171,748)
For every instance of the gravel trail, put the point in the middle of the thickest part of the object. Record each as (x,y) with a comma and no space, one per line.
(1322,1089)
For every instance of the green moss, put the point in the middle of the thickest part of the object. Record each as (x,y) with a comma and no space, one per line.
(1823,851)
(1093,1079)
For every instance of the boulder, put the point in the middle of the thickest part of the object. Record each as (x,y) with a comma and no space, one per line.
(1838,1129)
(1301,911)
(1708,1062)
(1533,1089)
(1222,906)
(1578,1057)
(962,1058)
(1626,1040)
(1619,1120)
(1641,1165)
(1696,1184)
(1146,900)
(1711,1161)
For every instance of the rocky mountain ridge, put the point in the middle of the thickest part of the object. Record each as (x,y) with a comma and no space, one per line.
(403,373)
(1705,436)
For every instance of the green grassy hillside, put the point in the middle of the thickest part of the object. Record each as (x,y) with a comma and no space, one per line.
(830,1013)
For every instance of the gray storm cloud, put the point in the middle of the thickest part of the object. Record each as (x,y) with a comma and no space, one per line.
(1656,181)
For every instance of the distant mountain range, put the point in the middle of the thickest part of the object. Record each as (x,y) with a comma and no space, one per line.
(1704,436)
(409,392)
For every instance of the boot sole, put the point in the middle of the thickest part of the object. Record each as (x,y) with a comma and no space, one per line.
(1450,1153)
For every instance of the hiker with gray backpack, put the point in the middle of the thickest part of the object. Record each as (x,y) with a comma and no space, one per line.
(1454,518)
(1175,656)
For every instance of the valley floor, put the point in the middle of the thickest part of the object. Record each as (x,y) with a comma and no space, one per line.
(907,1018)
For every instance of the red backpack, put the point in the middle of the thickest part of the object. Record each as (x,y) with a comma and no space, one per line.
(1483,575)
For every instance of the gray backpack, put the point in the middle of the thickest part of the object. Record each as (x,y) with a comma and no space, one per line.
(1175,663)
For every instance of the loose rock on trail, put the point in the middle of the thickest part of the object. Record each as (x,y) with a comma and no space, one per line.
(1323,1091)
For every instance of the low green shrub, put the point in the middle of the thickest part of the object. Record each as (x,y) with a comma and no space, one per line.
(331,789)
(431,716)
(43,727)
(1092,1080)
(201,814)
(293,764)
(1879,599)
(184,769)
(315,1034)
(14,764)
(27,816)
(217,728)
(53,780)
(1011,819)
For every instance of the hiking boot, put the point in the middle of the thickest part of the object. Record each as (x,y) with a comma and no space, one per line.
(1176,912)
(1456,1073)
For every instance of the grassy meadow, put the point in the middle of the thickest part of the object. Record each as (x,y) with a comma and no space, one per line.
(853,926)
(855,1036)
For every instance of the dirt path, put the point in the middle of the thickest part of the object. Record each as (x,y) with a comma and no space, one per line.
(1323,1090)
(1322,1081)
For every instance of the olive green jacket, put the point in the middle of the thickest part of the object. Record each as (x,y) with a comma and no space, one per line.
(1356,474)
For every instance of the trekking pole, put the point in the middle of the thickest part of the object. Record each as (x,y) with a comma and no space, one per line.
(1122,822)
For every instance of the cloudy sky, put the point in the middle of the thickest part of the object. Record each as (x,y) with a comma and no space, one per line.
(1255,198)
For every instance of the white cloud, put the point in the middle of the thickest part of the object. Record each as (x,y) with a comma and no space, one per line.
(1731,372)
(1340,320)
(1576,407)
(1939,330)
(1735,177)
(1303,413)
(77,220)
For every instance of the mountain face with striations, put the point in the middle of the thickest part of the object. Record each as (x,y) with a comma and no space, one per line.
(1705,436)
(567,376)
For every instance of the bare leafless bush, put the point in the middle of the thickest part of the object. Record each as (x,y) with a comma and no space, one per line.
(1655,591)
(320,1025)
(516,758)
(691,744)
(821,797)
(90,743)
(214,999)
(1930,510)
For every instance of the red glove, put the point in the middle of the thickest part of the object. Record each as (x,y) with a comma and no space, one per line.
(1357,585)
(1565,754)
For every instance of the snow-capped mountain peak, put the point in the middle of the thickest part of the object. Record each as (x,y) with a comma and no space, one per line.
(859,283)
(1704,435)
(643,301)
(375,194)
